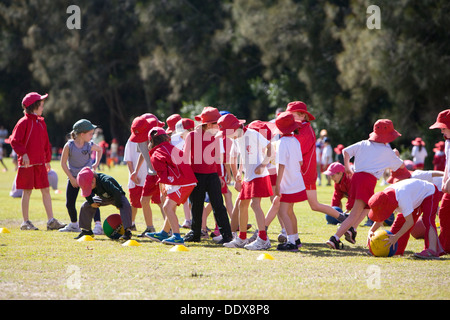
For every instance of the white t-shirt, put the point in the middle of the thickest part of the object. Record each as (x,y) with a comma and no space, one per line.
(410,194)
(373,157)
(327,155)
(419,156)
(250,148)
(289,154)
(132,153)
(428,176)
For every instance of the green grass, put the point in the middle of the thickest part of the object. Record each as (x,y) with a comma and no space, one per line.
(52,265)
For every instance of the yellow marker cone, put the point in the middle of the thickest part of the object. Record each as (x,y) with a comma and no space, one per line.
(131,243)
(179,247)
(4,230)
(86,238)
(265,256)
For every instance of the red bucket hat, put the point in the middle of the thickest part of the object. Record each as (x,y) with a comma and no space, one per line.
(442,121)
(261,127)
(382,205)
(384,132)
(418,142)
(339,148)
(399,174)
(84,180)
(172,121)
(440,146)
(32,97)
(299,106)
(208,115)
(286,123)
(140,128)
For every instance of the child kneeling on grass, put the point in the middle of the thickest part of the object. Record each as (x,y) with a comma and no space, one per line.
(179,181)
(99,190)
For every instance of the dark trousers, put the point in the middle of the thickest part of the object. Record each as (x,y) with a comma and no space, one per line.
(71,199)
(209,183)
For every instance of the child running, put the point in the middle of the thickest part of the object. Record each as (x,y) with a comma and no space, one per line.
(372,158)
(179,181)
(75,156)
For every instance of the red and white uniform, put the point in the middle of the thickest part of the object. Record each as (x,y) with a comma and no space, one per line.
(444,211)
(307,139)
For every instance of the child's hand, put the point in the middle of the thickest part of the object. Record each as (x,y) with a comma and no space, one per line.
(277,190)
(74,182)
(26,160)
(238,185)
(391,240)
(134,177)
(259,169)
(369,237)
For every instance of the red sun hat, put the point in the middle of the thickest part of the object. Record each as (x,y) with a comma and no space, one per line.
(140,128)
(418,142)
(229,122)
(440,146)
(286,123)
(384,132)
(171,122)
(339,148)
(32,97)
(84,180)
(334,168)
(208,115)
(382,205)
(299,106)
(442,121)
(399,174)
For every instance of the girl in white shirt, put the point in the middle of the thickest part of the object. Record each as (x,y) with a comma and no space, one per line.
(419,153)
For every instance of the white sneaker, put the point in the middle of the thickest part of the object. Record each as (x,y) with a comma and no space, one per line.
(98,230)
(236,243)
(71,227)
(258,244)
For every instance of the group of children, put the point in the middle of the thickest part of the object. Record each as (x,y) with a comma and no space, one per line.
(189,162)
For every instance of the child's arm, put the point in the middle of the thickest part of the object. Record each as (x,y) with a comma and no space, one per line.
(236,174)
(259,169)
(348,169)
(372,230)
(409,222)
(64,158)
(99,152)
(280,173)
(134,177)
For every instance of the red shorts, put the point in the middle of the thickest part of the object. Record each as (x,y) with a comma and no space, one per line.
(257,188)
(273,179)
(309,173)
(294,197)
(363,186)
(34,177)
(224,189)
(135,196)
(151,189)
(181,195)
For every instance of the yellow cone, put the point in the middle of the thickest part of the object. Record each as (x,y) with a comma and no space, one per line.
(179,247)
(131,243)
(265,256)
(4,230)
(86,238)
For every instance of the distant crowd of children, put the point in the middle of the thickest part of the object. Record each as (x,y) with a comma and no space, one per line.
(191,163)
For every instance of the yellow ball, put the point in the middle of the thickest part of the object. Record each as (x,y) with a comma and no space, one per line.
(377,244)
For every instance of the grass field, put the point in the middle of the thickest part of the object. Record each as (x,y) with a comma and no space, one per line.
(52,265)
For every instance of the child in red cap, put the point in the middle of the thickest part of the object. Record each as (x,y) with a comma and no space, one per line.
(342,184)
(253,151)
(410,198)
(419,153)
(30,141)
(372,158)
(443,123)
(177,177)
(307,139)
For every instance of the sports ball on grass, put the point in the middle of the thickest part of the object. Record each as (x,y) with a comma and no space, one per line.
(113,227)
(377,244)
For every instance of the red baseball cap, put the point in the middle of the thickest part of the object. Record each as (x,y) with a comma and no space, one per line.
(382,205)
(299,106)
(140,128)
(208,115)
(149,116)
(286,123)
(261,127)
(84,180)
(442,121)
(384,132)
(159,131)
(172,121)
(32,97)
(184,124)
(334,168)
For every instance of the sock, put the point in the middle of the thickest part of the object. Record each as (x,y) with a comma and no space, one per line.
(263,235)
(243,235)
(336,237)
(291,238)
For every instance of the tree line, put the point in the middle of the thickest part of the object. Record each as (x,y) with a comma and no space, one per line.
(249,57)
